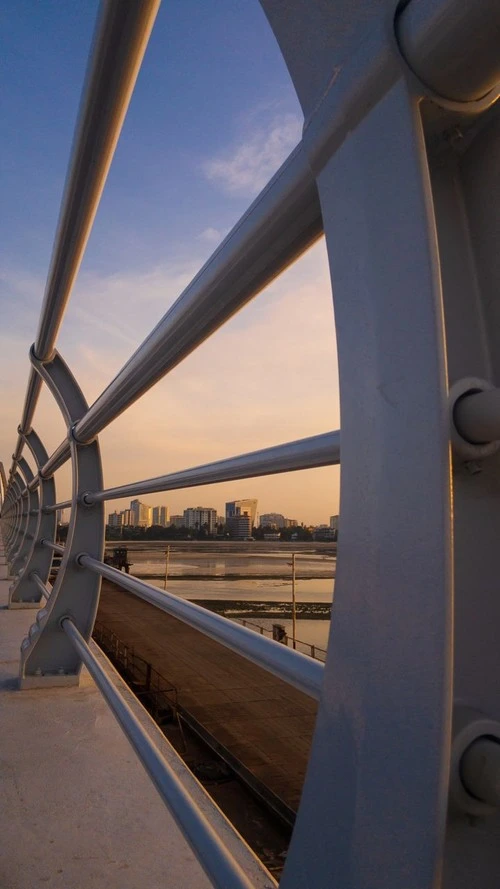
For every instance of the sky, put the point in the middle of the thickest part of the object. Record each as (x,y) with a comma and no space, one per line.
(213,116)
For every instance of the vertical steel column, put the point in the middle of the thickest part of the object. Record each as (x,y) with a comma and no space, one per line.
(24,592)
(29,501)
(387,745)
(464,157)
(47,655)
(18,487)
(9,515)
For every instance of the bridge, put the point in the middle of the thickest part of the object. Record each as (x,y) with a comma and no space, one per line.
(399,168)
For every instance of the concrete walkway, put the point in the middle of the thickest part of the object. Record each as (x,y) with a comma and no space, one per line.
(77,810)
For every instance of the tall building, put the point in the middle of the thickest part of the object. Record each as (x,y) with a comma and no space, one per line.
(240,517)
(177,521)
(201,517)
(140,514)
(241,507)
(115,519)
(126,517)
(273,520)
(334,522)
(240,526)
(161,516)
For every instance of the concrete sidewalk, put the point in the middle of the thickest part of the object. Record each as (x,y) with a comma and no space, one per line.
(78,811)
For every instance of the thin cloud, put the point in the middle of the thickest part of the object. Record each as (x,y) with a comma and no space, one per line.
(249,166)
(211,236)
(268,375)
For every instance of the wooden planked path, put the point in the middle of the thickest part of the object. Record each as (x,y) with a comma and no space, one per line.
(262,721)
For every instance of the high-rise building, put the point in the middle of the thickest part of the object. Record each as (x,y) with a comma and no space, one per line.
(201,518)
(241,507)
(115,519)
(240,526)
(334,522)
(161,516)
(126,517)
(177,521)
(272,520)
(140,514)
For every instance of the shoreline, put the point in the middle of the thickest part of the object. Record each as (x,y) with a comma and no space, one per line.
(145,575)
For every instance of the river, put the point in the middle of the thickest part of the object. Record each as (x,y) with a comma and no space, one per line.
(243,572)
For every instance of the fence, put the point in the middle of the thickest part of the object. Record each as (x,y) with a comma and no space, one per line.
(398,166)
(314,651)
(150,686)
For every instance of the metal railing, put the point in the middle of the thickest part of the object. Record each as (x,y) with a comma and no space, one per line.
(147,683)
(342,179)
(313,651)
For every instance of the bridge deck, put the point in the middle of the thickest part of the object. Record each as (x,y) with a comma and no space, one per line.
(77,808)
(263,722)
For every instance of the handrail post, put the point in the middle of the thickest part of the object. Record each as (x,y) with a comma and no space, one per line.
(30,501)
(15,530)
(25,592)
(47,656)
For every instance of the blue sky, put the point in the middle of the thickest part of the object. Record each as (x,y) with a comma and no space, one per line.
(212,117)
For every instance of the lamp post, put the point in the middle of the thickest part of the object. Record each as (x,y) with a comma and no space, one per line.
(167,557)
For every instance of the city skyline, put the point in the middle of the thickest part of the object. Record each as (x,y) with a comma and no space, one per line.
(270,374)
(199,516)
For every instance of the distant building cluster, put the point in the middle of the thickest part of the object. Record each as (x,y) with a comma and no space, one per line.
(240,522)
(140,515)
(276,521)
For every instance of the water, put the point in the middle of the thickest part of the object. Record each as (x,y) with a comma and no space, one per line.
(253,573)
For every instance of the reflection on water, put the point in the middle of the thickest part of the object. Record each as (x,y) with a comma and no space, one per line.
(275,564)
(245,576)
(317,590)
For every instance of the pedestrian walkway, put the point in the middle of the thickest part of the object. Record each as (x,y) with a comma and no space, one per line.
(261,720)
(77,808)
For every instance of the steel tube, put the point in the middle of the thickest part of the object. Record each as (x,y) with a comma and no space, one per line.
(213,856)
(281,224)
(120,40)
(306,453)
(477,416)
(60,456)
(37,580)
(290,666)
(56,547)
(66,505)
(452,46)
(480,770)
(34,483)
